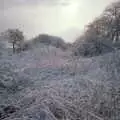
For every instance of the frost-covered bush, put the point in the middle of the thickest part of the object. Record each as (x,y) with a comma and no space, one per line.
(111,64)
(90,47)
(84,49)
(105,101)
(10,80)
(7,76)
(50,40)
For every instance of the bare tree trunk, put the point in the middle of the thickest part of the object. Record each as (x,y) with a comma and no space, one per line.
(117,36)
(13,47)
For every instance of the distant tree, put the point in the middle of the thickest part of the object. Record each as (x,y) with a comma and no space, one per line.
(50,40)
(16,37)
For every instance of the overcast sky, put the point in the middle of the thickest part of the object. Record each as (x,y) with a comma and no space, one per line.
(65,18)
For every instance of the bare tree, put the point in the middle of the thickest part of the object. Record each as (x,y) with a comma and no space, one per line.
(113,14)
(16,37)
(102,34)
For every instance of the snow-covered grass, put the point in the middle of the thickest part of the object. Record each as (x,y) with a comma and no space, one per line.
(52,85)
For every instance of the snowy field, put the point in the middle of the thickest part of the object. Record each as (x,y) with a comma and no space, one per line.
(46,83)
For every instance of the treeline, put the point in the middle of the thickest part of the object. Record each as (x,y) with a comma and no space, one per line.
(17,41)
(102,35)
